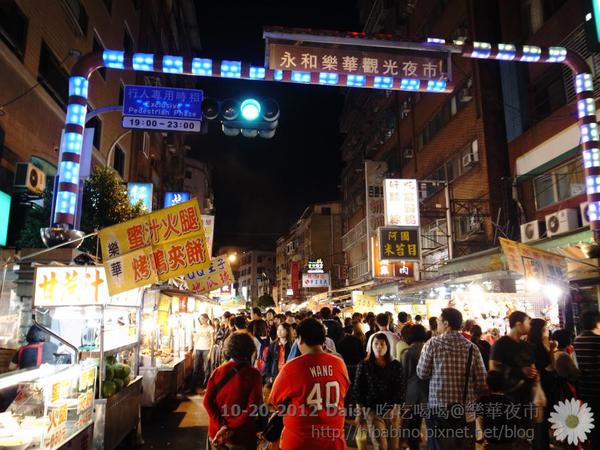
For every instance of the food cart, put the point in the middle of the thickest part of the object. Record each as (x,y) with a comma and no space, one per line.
(52,407)
(169,317)
(75,305)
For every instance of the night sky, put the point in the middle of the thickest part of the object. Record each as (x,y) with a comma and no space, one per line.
(263,185)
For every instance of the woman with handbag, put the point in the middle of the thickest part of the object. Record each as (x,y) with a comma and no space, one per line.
(234,397)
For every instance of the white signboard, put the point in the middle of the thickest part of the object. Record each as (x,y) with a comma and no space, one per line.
(208,222)
(315,280)
(76,286)
(401,203)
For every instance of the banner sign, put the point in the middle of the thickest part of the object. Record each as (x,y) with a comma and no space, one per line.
(76,286)
(404,270)
(401,202)
(174,198)
(208,222)
(315,280)
(399,244)
(354,60)
(217,275)
(294,276)
(154,247)
(140,192)
(533,263)
(315,266)
(363,303)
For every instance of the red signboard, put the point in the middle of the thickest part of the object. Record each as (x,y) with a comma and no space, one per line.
(295,278)
(355,61)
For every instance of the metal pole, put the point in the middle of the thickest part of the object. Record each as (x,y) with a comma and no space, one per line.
(58,338)
(96,112)
(449,226)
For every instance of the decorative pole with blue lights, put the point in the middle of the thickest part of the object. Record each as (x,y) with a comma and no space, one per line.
(65,197)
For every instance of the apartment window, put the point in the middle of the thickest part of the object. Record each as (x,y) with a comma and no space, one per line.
(98,48)
(78,14)
(549,94)
(108,4)
(137,4)
(13,27)
(119,160)
(127,41)
(259,259)
(559,184)
(96,124)
(188,174)
(326,211)
(121,93)
(52,76)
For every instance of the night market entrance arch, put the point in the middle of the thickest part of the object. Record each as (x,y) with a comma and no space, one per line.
(67,192)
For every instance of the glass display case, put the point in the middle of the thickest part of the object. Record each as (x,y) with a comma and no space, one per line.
(51,405)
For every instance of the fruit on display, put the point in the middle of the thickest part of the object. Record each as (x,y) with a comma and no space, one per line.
(119,383)
(110,373)
(109,389)
(117,376)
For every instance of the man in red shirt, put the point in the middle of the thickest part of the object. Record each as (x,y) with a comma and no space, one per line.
(310,389)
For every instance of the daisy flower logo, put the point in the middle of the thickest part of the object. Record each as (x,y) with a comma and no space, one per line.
(571,420)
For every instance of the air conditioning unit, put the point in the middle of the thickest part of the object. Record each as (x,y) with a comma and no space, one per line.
(29,177)
(409,153)
(585,215)
(562,221)
(533,231)
(469,160)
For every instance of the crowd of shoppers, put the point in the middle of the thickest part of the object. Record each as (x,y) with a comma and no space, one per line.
(392,385)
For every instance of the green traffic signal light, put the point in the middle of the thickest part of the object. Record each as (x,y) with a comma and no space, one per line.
(250,109)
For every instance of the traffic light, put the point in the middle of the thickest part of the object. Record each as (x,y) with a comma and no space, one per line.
(250,116)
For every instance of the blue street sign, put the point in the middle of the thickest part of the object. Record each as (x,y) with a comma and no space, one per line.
(173,198)
(161,108)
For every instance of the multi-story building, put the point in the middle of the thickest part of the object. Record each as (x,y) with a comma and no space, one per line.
(256,274)
(316,235)
(40,42)
(454,145)
(543,135)
(198,182)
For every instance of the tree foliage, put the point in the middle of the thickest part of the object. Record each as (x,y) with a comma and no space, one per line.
(35,218)
(265,301)
(105,203)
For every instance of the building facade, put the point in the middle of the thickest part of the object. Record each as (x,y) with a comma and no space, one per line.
(35,60)
(316,235)
(256,274)
(453,145)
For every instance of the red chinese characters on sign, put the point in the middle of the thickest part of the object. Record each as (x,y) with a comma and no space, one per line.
(176,257)
(170,226)
(189,221)
(141,267)
(135,236)
(194,250)
(160,261)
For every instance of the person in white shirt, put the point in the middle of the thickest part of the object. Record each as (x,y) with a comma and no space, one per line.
(203,341)
(382,320)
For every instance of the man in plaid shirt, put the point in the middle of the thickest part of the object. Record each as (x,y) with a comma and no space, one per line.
(443,362)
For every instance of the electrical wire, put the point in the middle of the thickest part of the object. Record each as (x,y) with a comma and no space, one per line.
(27,91)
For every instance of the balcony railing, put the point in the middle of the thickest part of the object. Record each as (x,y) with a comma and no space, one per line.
(358,232)
(357,271)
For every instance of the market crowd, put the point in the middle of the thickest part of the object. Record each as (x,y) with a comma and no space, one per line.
(320,381)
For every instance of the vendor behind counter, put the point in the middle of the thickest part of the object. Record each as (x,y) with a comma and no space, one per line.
(37,351)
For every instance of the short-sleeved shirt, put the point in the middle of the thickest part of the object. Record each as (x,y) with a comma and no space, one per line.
(313,388)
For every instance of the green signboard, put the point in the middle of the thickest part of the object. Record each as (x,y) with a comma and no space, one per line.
(4,215)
